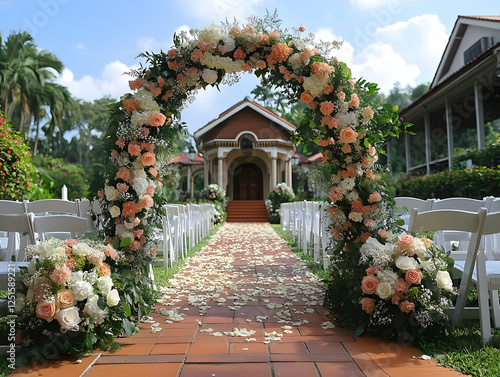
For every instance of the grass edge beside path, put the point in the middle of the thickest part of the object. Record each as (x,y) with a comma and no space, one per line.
(458,348)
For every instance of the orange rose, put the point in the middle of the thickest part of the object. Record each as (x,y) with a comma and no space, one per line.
(105,269)
(336,193)
(369,285)
(306,97)
(46,310)
(413,276)
(131,104)
(374,197)
(157,120)
(348,135)
(148,159)
(65,299)
(326,107)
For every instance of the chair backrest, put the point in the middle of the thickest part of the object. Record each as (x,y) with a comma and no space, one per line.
(492,223)
(11,207)
(462,204)
(408,202)
(494,205)
(446,219)
(17,223)
(57,224)
(56,206)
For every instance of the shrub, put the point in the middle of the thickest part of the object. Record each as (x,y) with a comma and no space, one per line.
(282,193)
(216,195)
(16,168)
(54,173)
(489,156)
(475,183)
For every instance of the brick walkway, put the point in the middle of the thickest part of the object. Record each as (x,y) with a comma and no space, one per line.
(246,306)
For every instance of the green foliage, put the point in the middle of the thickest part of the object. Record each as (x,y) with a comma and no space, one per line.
(281,193)
(489,156)
(54,173)
(216,195)
(475,183)
(16,169)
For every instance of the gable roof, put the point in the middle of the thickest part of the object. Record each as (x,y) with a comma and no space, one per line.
(459,29)
(237,108)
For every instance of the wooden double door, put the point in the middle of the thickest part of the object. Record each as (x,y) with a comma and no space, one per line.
(248,182)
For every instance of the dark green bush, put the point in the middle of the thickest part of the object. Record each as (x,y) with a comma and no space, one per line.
(475,183)
(489,156)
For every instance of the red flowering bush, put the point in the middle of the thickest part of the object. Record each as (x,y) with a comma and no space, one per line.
(16,169)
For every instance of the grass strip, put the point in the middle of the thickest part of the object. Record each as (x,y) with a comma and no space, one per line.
(162,277)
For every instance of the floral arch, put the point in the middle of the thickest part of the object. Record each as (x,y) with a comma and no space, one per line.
(342,119)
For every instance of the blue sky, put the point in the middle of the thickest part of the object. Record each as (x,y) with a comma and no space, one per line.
(98,40)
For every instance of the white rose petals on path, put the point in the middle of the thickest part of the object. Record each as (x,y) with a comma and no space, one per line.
(155,327)
(327,325)
(172,315)
(147,319)
(251,339)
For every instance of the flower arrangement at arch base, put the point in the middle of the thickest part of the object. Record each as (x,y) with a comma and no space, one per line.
(406,287)
(215,194)
(72,299)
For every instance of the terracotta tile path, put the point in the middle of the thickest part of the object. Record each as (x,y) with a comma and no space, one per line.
(246,306)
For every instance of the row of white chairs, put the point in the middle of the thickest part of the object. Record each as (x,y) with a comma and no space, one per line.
(184,225)
(455,240)
(308,223)
(475,268)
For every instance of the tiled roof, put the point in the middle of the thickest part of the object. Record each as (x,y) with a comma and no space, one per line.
(183,159)
(483,18)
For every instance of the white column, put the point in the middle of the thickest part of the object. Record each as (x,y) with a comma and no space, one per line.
(188,180)
(449,132)
(288,174)
(478,97)
(191,186)
(427,127)
(205,173)
(220,176)
(273,172)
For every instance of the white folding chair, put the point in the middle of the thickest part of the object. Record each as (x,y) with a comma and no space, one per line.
(11,242)
(463,221)
(59,226)
(53,206)
(406,203)
(316,230)
(307,226)
(18,223)
(326,234)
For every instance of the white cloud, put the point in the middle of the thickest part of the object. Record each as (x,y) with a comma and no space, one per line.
(80,46)
(217,10)
(113,82)
(377,4)
(421,39)
(378,62)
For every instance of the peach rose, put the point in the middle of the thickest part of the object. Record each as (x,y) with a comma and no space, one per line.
(105,269)
(148,159)
(326,107)
(328,89)
(60,275)
(330,121)
(370,223)
(348,135)
(261,64)
(124,174)
(136,84)
(306,97)
(368,305)
(369,285)
(129,209)
(413,276)
(405,241)
(65,299)
(336,193)
(372,270)
(134,245)
(406,306)
(122,187)
(341,96)
(354,102)
(157,120)
(120,143)
(46,310)
(150,190)
(131,105)
(146,201)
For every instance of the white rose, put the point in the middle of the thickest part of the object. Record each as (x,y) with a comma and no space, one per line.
(388,276)
(20,298)
(140,185)
(228,45)
(111,193)
(356,216)
(82,290)
(92,310)
(104,284)
(113,298)
(443,280)
(384,290)
(419,247)
(115,211)
(348,184)
(209,75)
(81,249)
(406,263)
(68,319)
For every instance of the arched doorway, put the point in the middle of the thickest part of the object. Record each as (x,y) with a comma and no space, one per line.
(248,182)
